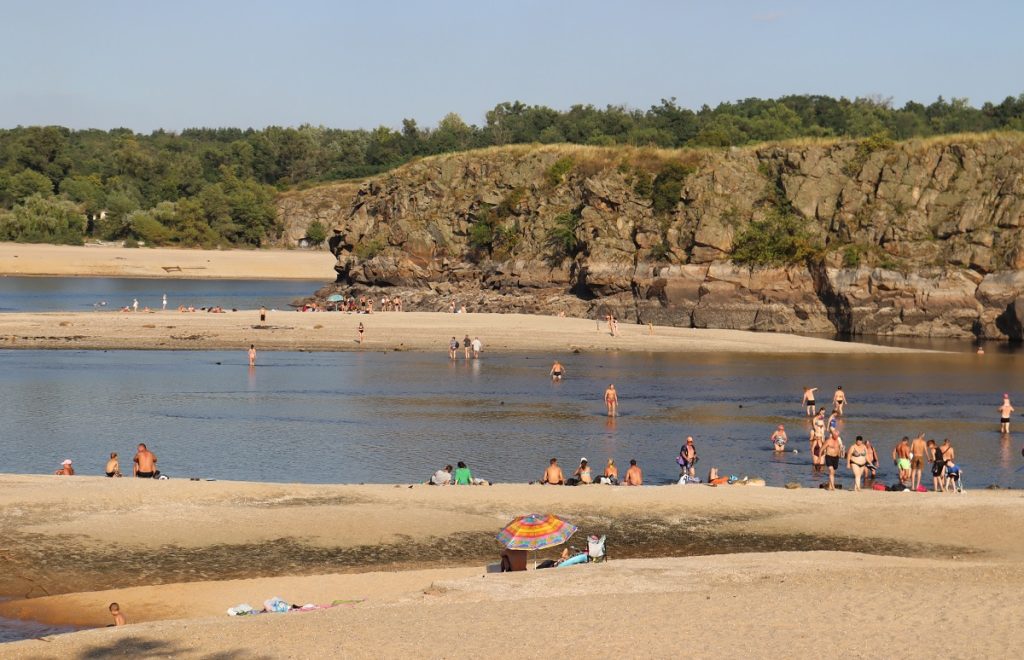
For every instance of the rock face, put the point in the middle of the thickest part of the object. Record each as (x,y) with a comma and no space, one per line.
(915,239)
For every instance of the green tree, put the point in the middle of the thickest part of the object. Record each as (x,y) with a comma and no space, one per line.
(316,233)
(41,219)
(27,183)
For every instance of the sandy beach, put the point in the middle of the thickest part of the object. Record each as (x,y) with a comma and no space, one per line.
(759,571)
(164,263)
(385,331)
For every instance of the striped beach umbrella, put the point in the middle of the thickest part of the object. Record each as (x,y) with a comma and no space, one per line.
(535,532)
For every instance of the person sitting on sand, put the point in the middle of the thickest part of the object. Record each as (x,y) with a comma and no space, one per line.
(115,611)
(553,475)
(113,468)
(145,463)
(463,477)
(65,468)
(611,473)
(779,438)
(442,477)
(634,475)
(582,473)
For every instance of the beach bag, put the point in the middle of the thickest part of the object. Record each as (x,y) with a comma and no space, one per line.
(879,487)
(898,488)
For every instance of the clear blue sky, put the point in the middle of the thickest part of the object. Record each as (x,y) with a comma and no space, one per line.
(175,64)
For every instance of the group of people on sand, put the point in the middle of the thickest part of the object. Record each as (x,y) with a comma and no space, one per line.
(553,475)
(471,347)
(461,475)
(143,465)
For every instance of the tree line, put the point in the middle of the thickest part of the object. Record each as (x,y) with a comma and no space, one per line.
(216,186)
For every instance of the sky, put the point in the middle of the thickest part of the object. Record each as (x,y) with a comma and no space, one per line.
(146,65)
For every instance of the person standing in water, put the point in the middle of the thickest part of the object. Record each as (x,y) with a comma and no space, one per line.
(839,400)
(453,348)
(467,345)
(1005,410)
(611,401)
(808,401)
(832,451)
(557,372)
(252,355)
(779,438)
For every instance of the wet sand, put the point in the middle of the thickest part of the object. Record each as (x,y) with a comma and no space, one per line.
(385,331)
(762,571)
(165,263)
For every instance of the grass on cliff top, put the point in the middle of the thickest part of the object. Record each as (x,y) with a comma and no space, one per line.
(652,159)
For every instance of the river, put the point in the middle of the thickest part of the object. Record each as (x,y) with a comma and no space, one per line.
(397,417)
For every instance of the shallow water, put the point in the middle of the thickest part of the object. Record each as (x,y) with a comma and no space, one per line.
(78,294)
(12,630)
(396,417)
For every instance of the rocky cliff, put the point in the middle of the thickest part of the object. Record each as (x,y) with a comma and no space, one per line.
(923,238)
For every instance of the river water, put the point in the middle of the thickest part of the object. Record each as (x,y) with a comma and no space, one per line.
(74,294)
(396,417)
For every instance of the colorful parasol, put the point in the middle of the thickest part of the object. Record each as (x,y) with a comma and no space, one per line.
(535,531)
(335,297)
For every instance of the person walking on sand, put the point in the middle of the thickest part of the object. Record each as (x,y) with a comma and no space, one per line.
(808,401)
(164,303)
(113,468)
(611,401)
(557,372)
(872,467)
(839,400)
(135,304)
(263,314)
(65,469)
(1005,410)
(918,453)
(779,438)
(453,348)
(634,475)
(252,355)
(477,347)
(857,461)
(360,331)
(832,451)
(145,463)
(553,475)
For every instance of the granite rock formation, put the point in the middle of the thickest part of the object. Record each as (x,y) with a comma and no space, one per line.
(921,238)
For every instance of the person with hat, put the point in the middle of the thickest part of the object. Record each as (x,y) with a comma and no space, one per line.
(582,474)
(66,469)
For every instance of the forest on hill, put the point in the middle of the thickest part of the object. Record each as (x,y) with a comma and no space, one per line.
(214,187)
